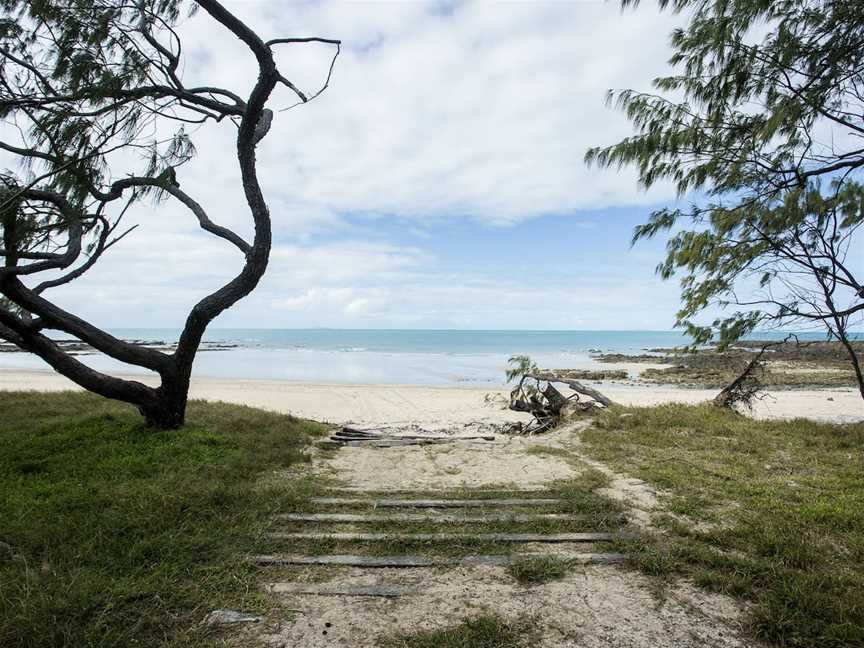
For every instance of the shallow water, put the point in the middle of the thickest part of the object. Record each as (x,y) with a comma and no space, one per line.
(411,357)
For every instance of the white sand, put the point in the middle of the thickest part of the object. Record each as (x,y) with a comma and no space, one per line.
(509,461)
(595,607)
(437,407)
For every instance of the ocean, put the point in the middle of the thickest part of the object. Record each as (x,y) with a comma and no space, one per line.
(422,357)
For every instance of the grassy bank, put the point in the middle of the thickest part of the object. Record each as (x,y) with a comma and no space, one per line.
(769,512)
(115,535)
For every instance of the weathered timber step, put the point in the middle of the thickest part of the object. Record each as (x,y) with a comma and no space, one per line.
(408,503)
(446,537)
(391,492)
(329,589)
(396,443)
(426,561)
(345,436)
(336,518)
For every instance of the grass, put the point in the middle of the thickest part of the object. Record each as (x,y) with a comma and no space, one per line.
(535,570)
(116,535)
(548,451)
(771,512)
(483,631)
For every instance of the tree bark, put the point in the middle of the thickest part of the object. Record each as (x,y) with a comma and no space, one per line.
(168,410)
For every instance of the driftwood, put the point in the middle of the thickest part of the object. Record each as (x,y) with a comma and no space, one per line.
(575,385)
(747,387)
(536,394)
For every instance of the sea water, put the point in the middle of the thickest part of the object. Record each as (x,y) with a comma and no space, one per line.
(422,357)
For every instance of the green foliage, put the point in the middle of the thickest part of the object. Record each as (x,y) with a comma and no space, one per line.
(519,366)
(484,631)
(78,78)
(768,511)
(534,570)
(113,535)
(749,103)
(746,128)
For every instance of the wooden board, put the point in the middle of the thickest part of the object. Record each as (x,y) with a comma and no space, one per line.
(334,589)
(390,443)
(448,537)
(350,560)
(407,503)
(336,518)
(423,561)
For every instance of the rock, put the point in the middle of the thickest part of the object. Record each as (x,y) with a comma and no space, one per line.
(226,617)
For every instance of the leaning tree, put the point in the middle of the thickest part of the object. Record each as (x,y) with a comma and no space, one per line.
(763,120)
(87,86)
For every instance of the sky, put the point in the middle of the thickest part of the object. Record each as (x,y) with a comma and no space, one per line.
(438,183)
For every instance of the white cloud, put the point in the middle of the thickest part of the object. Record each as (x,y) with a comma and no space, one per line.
(483,112)
(479,111)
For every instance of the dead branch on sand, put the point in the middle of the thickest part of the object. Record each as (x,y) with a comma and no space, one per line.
(747,387)
(536,394)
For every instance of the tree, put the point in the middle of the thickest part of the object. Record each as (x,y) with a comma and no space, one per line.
(84,83)
(763,118)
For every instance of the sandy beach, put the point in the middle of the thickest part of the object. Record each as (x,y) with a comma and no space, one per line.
(439,407)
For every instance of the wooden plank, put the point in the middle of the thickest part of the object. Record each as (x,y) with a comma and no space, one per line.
(409,437)
(407,503)
(425,561)
(334,589)
(350,560)
(390,443)
(336,518)
(359,490)
(448,537)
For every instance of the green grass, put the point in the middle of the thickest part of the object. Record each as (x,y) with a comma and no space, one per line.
(115,535)
(484,631)
(548,451)
(535,570)
(770,512)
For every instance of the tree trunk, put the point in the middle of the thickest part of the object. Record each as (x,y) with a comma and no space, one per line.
(168,410)
(856,364)
(165,414)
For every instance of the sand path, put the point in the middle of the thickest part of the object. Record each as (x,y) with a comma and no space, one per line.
(605,606)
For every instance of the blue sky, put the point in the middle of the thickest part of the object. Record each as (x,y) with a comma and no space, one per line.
(438,183)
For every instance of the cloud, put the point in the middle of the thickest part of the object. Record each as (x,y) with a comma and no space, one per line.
(437,113)
(483,111)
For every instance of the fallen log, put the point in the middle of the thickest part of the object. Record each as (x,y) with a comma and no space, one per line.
(536,394)
(575,385)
